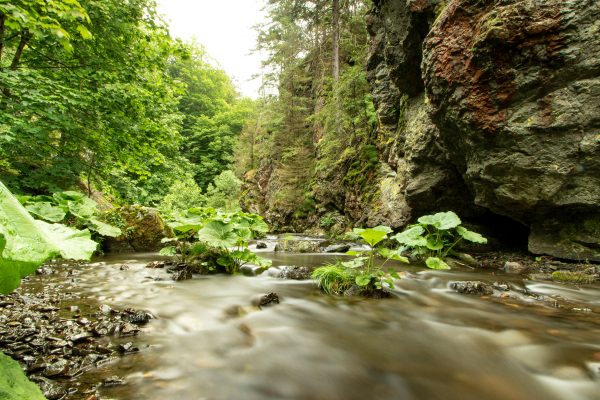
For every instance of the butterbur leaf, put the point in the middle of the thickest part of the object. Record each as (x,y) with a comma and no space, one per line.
(355,253)
(391,254)
(363,280)
(372,236)
(412,237)
(434,244)
(168,251)
(260,226)
(442,220)
(104,229)
(218,234)
(356,263)
(28,243)
(436,263)
(394,274)
(14,383)
(64,197)
(46,211)
(470,235)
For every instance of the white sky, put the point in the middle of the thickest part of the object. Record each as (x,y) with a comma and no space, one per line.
(224,27)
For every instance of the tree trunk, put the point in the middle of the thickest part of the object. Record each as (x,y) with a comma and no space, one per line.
(22,43)
(336,40)
(2,30)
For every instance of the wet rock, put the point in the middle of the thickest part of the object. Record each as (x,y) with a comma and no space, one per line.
(514,267)
(79,336)
(467,259)
(128,329)
(113,381)
(44,271)
(74,309)
(252,270)
(261,245)
(181,275)
(504,287)
(50,389)
(58,368)
(299,246)
(357,291)
(127,348)
(290,272)
(156,264)
(138,317)
(471,287)
(337,248)
(105,309)
(123,267)
(265,300)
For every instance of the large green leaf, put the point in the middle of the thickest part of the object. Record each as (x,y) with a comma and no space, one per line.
(46,211)
(218,234)
(84,208)
(14,385)
(392,254)
(64,197)
(434,243)
(103,228)
(470,235)
(28,243)
(442,220)
(372,236)
(412,237)
(71,243)
(436,263)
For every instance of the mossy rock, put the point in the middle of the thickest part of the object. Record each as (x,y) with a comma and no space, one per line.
(143,229)
(576,277)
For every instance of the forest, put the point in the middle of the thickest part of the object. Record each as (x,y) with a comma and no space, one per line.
(416,179)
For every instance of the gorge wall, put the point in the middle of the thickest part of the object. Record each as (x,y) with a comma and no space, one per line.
(485,107)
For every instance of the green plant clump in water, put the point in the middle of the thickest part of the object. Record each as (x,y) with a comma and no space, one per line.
(576,277)
(26,243)
(14,385)
(362,271)
(73,208)
(225,236)
(435,237)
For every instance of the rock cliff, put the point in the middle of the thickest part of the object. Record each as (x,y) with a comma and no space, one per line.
(509,117)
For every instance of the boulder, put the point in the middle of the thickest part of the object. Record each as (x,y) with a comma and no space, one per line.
(143,229)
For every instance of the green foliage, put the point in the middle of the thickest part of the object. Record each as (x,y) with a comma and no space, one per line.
(224,192)
(26,243)
(334,278)
(73,208)
(183,194)
(361,271)
(14,385)
(435,236)
(224,235)
(327,221)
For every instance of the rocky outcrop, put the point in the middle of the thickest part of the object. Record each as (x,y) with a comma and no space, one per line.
(508,121)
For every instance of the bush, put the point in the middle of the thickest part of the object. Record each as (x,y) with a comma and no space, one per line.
(224,192)
(183,194)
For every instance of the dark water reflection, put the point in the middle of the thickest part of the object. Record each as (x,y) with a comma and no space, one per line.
(426,343)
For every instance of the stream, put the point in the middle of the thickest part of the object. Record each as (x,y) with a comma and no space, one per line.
(426,342)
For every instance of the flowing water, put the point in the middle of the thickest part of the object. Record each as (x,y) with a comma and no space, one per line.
(427,342)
